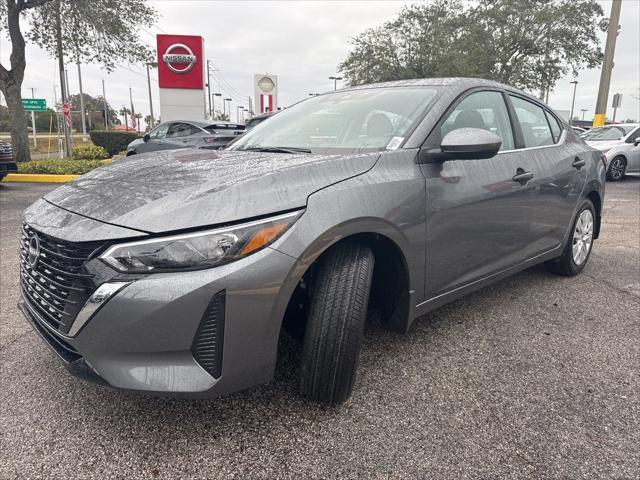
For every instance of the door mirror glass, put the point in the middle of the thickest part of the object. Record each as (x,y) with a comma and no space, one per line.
(636,142)
(146,137)
(470,143)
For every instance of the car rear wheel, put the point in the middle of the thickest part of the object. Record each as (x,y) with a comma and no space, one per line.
(335,326)
(578,248)
(617,169)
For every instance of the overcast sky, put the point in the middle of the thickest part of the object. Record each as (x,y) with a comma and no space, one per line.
(302,43)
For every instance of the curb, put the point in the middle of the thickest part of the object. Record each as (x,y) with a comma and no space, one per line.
(38,178)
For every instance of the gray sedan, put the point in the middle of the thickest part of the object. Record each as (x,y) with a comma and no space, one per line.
(186,134)
(179,275)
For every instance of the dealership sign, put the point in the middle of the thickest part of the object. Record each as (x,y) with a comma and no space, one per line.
(266,92)
(180,61)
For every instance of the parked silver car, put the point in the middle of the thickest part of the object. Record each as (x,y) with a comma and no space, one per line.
(178,272)
(621,145)
(186,134)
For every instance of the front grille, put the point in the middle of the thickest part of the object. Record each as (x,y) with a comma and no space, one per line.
(58,286)
(207,344)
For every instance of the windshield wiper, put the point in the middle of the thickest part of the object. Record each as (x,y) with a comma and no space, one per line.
(277,149)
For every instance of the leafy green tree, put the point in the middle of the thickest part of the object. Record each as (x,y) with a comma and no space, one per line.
(530,44)
(94,109)
(88,31)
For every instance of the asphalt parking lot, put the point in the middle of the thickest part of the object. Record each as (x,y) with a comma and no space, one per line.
(535,377)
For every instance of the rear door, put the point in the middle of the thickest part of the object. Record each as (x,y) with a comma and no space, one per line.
(477,211)
(559,171)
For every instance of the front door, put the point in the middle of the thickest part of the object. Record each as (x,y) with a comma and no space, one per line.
(477,211)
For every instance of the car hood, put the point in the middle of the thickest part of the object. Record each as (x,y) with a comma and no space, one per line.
(604,145)
(179,189)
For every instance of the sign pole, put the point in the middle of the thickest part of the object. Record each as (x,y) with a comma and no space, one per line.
(33,122)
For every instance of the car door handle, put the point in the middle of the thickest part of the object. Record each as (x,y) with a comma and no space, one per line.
(578,163)
(522,177)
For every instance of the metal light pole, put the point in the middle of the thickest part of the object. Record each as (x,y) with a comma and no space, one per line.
(104,101)
(84,123)
(153,65)
(607,64)
(335,81)
(213,103)
(573,102)
(583,110)
(238,110)
(61,71)
(225,106)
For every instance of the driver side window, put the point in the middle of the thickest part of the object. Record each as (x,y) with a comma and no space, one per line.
(483,110)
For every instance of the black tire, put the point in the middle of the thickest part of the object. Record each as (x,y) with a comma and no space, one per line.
(617,169)
(565,264)
(335,325)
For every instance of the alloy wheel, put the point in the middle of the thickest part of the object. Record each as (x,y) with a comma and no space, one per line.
(582,237)
(616,171)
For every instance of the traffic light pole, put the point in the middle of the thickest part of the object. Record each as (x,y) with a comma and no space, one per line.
(607,64)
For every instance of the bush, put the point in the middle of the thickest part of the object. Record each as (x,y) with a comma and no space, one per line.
(89,152)
(58,166)
(113,141)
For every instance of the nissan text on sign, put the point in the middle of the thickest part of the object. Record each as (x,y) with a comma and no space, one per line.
(181,77)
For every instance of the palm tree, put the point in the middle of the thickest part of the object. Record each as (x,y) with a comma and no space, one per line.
(124,111)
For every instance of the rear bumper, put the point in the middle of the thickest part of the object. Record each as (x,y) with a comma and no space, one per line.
(144,337)
(6,168)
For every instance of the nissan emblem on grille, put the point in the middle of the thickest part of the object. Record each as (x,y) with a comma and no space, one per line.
(34,251)
(186,58)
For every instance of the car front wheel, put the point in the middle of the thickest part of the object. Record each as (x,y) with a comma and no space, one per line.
(578,248)
(335,325)
(617,169)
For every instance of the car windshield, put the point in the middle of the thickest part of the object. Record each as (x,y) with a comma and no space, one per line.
(371,119)
(610,132)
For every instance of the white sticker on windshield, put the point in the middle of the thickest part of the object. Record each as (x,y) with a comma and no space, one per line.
(395,143)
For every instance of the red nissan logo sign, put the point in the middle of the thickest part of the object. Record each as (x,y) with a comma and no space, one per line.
(180,61)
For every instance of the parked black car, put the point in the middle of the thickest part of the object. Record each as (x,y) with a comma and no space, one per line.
(7,162)
(257,119)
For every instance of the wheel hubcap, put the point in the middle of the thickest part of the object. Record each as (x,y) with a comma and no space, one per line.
(617,169)
(582,237)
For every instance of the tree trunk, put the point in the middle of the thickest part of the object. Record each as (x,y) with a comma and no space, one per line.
(11,84)
(19,135)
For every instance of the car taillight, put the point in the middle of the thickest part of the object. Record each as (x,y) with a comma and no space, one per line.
(603,157)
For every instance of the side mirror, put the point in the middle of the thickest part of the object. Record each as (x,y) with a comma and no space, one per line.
(146,137)
(636,142)
(466,144)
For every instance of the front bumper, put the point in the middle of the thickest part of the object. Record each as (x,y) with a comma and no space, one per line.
(143,337)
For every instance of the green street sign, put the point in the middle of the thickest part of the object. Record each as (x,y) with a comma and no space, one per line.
(34,104)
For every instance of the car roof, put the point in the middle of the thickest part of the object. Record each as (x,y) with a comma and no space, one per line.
(460,83)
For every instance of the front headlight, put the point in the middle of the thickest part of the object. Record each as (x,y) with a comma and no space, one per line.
(196,250)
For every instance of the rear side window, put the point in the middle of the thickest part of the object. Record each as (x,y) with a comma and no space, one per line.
(533,122)
(483,110)
(556,129)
